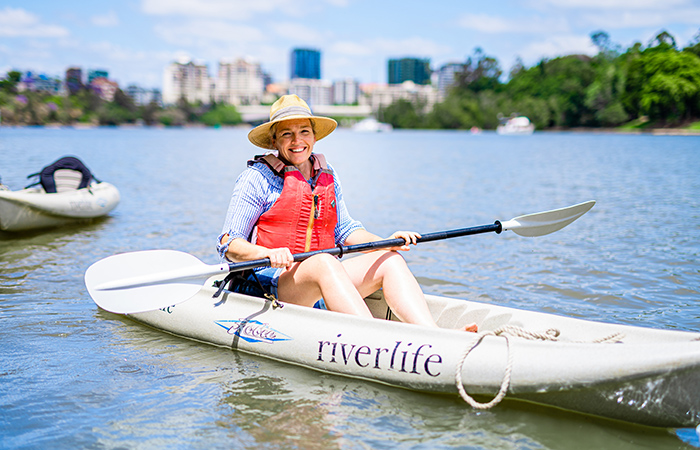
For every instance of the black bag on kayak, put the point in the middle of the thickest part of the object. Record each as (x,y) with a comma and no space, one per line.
(47,175)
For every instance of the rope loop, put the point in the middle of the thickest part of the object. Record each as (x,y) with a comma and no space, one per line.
(506,376)
(505,331)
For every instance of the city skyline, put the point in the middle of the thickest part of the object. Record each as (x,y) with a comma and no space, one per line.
(135,40)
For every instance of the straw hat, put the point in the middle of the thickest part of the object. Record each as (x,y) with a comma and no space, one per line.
(290,107)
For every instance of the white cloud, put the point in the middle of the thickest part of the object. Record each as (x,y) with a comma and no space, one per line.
(485,23)
(109,19)
(349,48)
(415,46)
(558,45)
(639,19)
(655,5)
(295,32)
(203,33)
(16,22)
(239,10)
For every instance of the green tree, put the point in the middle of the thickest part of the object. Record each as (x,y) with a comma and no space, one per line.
(662,83)
(561,82)
(149,113)
(402,114)
(221,115)
(481,72)
(9,84)
(124,101)
(694,46)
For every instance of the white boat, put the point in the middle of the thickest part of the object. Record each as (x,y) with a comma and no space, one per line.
(516,125)
(634,374)
(370,124)
(33,208)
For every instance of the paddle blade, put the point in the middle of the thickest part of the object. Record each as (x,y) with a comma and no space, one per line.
(135,282)
(540,224)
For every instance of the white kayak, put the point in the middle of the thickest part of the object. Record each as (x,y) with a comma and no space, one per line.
(33,208)
(634,374)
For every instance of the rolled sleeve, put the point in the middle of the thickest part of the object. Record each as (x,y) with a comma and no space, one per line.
(250,198)
(346,224)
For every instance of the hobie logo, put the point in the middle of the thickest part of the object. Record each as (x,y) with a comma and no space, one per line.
(252,331)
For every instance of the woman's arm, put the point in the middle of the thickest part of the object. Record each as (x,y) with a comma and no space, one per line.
(241,250)
(362,236)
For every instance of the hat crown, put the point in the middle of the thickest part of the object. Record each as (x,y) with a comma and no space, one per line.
(289,105)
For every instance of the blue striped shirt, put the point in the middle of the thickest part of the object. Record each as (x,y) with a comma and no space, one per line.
(256,190)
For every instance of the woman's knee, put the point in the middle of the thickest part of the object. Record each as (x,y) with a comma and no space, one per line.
(393,260)
(323,263)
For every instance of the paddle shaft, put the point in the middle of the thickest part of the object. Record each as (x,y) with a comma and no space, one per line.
(153,279)
(341,250)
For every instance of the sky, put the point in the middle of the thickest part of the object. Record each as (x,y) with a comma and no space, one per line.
(134,40)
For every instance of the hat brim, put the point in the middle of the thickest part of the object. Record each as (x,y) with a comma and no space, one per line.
(260,135)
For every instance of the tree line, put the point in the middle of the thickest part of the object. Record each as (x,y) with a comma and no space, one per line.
(642,86)
(85,106)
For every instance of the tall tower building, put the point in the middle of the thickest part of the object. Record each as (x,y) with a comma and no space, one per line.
(409,69)
(186,80)
(446,77)
(74,80)
(306,63)
(96,73)
(240,82)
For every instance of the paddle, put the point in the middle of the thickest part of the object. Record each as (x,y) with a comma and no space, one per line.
(147,280)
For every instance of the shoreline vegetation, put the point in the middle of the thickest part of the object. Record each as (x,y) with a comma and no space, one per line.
(669,131)
(651,89)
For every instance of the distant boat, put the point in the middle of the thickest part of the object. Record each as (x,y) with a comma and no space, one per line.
(66,193)
(370,124)
(516,125)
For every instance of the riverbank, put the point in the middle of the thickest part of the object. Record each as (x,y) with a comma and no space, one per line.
(645,131)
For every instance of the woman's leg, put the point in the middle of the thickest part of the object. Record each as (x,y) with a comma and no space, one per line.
(402,292)
(322,276)
(388,270)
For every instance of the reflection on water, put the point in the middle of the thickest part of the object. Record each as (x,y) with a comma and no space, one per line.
(72,376)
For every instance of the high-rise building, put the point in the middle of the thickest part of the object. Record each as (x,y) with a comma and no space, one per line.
(381,96)
(409,69)
(446,77)
(346,92)
(306,63)
(313,92)
(96,73)
(143,96)
(104,88)
(40,83)
(186,80)
(240,82)
(74,79)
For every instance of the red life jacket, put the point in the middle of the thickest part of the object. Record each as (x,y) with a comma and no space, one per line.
(301,219)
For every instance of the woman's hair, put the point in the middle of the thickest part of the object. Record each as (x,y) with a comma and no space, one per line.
(273,128)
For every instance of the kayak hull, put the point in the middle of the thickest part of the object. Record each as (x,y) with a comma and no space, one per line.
(639,375)
(33,208)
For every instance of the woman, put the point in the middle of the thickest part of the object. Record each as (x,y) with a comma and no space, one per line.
(291,202)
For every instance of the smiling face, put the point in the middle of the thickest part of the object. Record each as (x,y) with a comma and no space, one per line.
(294,139)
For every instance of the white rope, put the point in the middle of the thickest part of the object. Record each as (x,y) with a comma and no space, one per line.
(506,376)
(551,334)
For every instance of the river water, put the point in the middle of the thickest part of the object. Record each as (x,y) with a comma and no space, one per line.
(74,376)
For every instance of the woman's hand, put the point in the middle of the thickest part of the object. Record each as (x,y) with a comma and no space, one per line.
(411,237)
(280,257)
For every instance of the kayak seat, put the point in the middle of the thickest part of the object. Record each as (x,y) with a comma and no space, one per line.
(67,180)
(65,174)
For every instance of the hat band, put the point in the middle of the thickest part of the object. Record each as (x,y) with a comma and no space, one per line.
(290,111)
